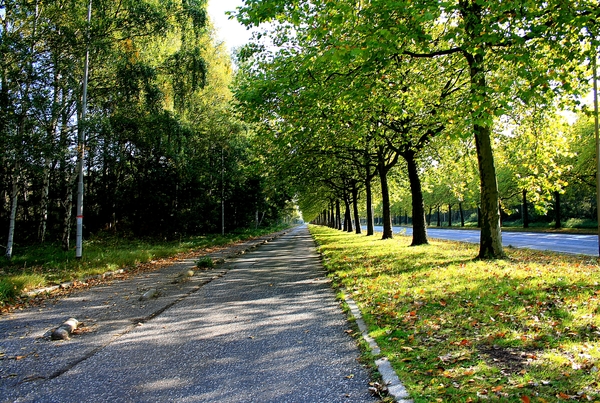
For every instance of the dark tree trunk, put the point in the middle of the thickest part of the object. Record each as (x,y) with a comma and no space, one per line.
(418,207)
(347,214)
(439,217)
(385,201)
(557,216)
(525,210)
(345,223)
(338,216)
(462,214)
(348,218)
(332,215)
(449,215)
(358,229)
(429,216)
(369,197)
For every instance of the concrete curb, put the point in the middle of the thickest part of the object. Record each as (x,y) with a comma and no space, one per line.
(395,387)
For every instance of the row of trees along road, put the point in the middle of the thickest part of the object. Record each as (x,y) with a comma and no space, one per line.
(345,90)
(163,148)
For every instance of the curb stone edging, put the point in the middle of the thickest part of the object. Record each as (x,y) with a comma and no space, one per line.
(395,387)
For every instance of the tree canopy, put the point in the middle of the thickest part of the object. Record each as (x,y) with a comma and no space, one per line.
(351,73)
(165,149)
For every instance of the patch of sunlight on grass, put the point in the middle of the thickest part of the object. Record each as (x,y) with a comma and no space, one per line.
(460,329)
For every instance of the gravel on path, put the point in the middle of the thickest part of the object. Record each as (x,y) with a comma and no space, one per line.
(263,327)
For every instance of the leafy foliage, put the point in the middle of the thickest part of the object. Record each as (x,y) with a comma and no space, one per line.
(164,148)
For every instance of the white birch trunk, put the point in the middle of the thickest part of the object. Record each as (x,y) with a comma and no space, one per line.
(44,201)
(13,216)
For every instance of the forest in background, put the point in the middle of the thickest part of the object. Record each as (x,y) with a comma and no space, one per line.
(165,150)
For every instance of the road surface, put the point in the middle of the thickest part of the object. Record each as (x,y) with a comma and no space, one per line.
(564,243)
(264,327)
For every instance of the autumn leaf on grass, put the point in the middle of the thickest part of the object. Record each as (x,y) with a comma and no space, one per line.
(562,395)
(525,399)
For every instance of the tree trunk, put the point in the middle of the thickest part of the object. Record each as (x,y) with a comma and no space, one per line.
(385,199)
(418,206)
(557,216)
(338,216)
(68,211)
(490,245)
(439,217)
(358,228)
(369,197)
(13,214)
(449,215)
(525,210)
(462,214)
(44,201)
(429,216)
(347,216)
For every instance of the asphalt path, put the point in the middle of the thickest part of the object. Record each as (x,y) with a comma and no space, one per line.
(266,327)
(564,243)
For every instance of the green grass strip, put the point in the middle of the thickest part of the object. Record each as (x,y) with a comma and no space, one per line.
(456,329)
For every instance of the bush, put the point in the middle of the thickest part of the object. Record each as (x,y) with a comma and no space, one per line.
(205,263)
(580,223)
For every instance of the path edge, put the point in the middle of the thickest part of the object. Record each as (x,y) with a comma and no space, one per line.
(395,387)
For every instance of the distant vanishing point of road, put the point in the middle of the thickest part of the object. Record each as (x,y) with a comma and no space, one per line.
(565,243)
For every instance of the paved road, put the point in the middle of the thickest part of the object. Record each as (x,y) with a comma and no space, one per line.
(565,243)
(264,328)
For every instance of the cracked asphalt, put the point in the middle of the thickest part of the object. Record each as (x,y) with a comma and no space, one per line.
(262,327)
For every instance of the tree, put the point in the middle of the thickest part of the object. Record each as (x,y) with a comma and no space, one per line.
(538,170)
(485,35)
(159,108)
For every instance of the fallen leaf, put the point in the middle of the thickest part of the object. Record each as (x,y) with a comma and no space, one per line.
(525,399)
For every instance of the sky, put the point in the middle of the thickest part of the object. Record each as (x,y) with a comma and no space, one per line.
(230,31)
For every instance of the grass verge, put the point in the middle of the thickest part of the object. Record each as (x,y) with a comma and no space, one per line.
(43,265)
(524,329)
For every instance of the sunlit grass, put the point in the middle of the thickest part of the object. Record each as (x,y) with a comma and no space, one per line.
(463,330)
(39,266)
